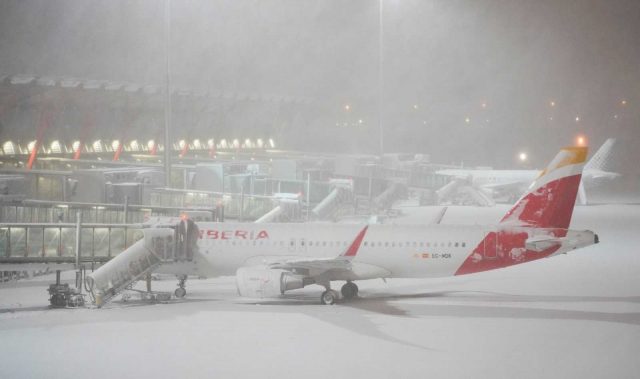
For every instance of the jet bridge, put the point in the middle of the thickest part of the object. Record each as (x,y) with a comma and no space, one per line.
(341,193)
(462,191)
(161,244)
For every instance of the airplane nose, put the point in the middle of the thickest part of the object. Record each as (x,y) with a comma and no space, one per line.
(596,239)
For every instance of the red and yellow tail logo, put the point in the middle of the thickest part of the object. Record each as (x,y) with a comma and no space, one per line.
(550,200)
(547,204)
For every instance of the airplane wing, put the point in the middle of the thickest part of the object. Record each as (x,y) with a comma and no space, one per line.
(338,268)
(293,273)
(316,264)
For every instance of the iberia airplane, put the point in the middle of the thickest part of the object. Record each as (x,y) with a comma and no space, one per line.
(270,259)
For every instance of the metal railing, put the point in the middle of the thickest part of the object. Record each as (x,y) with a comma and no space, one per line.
(30,242)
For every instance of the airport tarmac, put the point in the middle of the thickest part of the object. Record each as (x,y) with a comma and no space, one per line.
(572,316)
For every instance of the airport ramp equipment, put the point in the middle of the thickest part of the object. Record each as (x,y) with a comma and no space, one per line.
(271,216)
(393,192)
(449,190)
(159,246)
(331,202)
(478,196)
(286,209)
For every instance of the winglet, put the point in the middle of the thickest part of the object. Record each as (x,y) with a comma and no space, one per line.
(355,245)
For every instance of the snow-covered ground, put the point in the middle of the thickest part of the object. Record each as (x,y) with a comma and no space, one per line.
(573,316)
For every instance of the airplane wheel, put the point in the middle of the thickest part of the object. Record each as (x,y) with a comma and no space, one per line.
(180,292)
(349,290)
(329,297)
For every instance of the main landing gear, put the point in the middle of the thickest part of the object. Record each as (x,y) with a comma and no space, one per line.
(180,292)
(349,291)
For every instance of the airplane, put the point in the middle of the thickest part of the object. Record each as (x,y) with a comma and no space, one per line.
(484,185)
(270,259)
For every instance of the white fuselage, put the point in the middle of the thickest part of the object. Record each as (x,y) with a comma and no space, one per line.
(386,250)
(494,178)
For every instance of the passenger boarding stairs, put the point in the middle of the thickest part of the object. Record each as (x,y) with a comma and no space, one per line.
(160,245)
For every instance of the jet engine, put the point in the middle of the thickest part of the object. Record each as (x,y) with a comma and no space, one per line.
(260,282)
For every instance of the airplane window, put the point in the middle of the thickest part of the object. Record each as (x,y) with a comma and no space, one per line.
(302,243)
(421,244)
(324,243)
(456,244)
(428,244)
(366,243)
(386,244)
(292,243)
(464,244)
(393,244)
(415,244)
(449,243)
(233,243)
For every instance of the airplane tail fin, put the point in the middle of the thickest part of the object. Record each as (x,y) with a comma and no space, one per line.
(600,160)
(549,201)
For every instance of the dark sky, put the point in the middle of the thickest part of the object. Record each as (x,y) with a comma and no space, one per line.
(442,61)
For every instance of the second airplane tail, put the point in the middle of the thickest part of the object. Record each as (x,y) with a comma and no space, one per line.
(602,158)
(549,201)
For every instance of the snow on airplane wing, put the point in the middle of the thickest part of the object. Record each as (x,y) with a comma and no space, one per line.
(343,261)
(338,268)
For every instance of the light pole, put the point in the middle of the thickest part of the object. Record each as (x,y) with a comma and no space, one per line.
(167,99)
(380,79)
